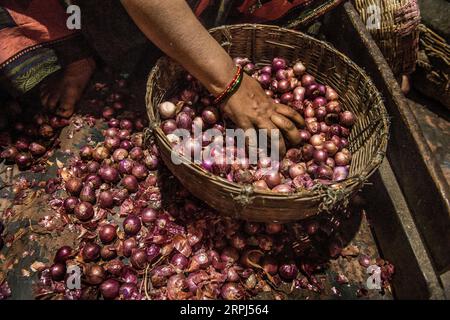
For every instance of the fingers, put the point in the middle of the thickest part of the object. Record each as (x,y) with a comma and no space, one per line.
(291,114)
(272,128)
(289,130)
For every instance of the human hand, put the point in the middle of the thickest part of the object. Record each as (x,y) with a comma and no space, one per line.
(250,107)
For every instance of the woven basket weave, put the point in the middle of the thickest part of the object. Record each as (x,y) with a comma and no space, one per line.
(261,43)
(397,34)
(432,76)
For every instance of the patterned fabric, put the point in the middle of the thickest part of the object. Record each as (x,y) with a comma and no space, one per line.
(30,32)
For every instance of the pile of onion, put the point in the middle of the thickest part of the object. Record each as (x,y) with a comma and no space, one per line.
(321,157)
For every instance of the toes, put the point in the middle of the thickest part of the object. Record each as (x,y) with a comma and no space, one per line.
(68,101)
(53,100)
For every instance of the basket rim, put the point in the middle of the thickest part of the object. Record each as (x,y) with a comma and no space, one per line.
(351,184)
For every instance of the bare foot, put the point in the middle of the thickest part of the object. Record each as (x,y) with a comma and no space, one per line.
(61,92)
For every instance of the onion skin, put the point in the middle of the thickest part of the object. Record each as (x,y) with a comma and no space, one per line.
(232,291)
(87,194)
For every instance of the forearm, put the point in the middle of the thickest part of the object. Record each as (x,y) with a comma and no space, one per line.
(172,26)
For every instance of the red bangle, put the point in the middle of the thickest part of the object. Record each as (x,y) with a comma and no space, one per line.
(232,86)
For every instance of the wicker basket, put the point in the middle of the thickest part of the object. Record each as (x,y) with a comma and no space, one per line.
(432,77)
(397,34)
(261,43)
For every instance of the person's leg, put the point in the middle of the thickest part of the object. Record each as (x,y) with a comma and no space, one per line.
(61,91)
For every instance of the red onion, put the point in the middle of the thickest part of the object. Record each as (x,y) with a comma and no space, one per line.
(299,93)
(46,131)
(318,140)
(108,253)
(312,168)
(347,118)
(252,228)
(307,152)
(299,69)
(278,63)
(70,204)
(331,94)
(264,79)
(308,80)
(320,156)
(167,110)
(23,161)
(286,98)
(58,271)
(312,227)
(288,271)
(333,107)
(9,154)
(335,129)
(132,225)
(179,261)
(325,172)
(125,166)
(124,134)
(260,185)
(313,126)
(125,144)
(210,115)
(22,144)
(37,149)
(345,132)
(114,267)
(87,194)
(250,68)
(139,171)
(151,161)
(110,289)
(184,121)
(283,86)
(126,124)
(270,265)
(84,211)
(330,147)
(111,132)
(266,70)
(130,183)
(114,123)
(105,200)
(118,105)
(100,153)
(344,143)
(108,113)
(343,158)
(119,154)
(229,255)
(364,260)
(63,254)
(90,252)
(232,291)
(273,228)
(272,178)
(282,188)
(73,186)
(107,233)
(109,174)
(169,126)
(128,246)
(139,259)
(319,102)
(238,241)
(112,143)
(281,75)
(340,173)
(330,162)
(297,169)
(95,274)
(148,215)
